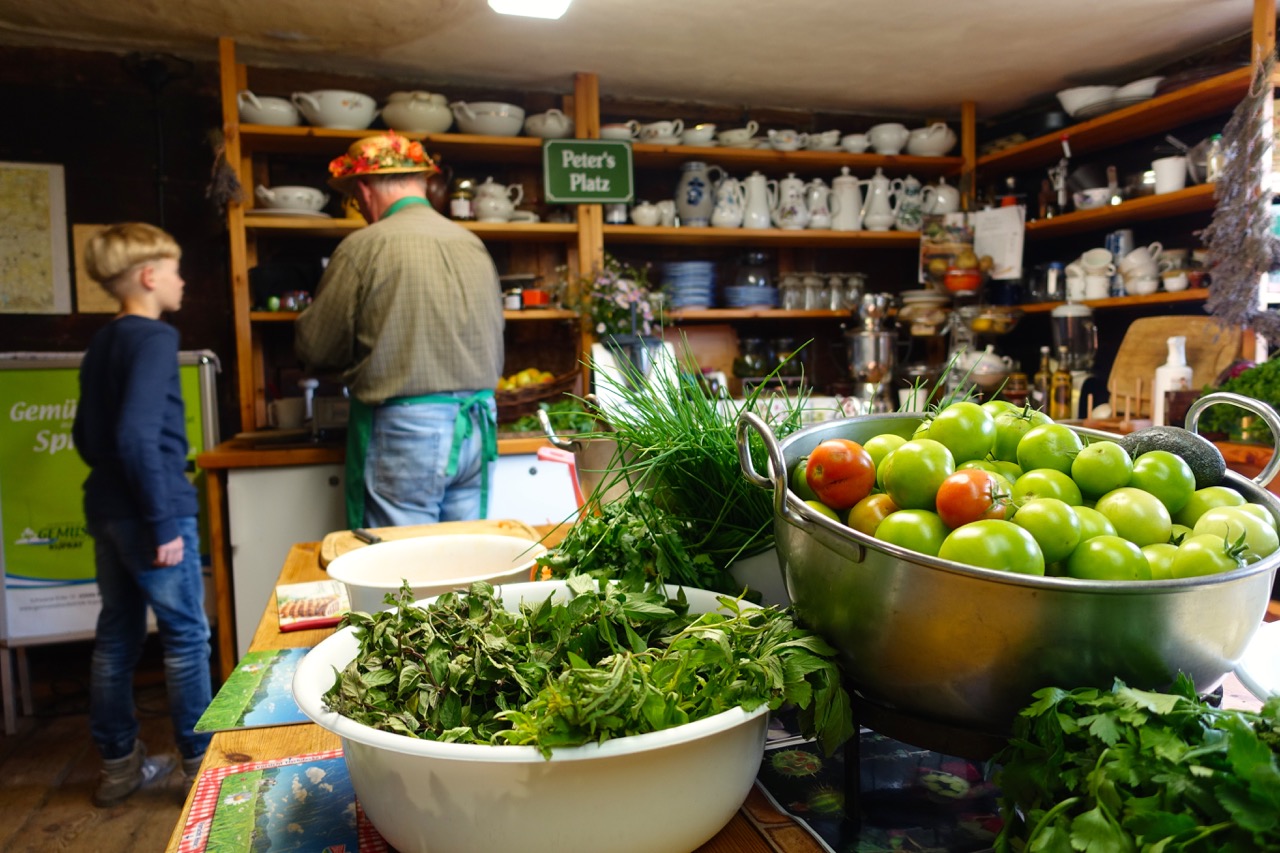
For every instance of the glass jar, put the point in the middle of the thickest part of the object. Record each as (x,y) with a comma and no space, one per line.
(783,350)
(754,271)
(462,199)
(791,292)
(814,292)
(753,359)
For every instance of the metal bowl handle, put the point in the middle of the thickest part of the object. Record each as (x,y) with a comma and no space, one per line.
(1259,408)
(777,466)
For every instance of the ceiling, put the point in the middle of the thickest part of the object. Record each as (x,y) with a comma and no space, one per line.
(867,56)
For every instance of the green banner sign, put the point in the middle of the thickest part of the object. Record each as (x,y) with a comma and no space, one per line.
(587,171)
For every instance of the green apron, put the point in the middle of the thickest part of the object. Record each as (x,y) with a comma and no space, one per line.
(360,426)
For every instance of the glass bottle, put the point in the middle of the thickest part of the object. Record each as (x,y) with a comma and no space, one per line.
(1040,382)
(1060,389)
(1015,390)
(1214,159)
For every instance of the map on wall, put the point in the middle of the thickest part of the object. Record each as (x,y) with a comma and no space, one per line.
(35,275)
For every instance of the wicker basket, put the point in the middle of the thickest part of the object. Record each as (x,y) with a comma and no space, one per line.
(513,405)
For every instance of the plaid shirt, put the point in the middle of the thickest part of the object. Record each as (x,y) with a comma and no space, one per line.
(409,305)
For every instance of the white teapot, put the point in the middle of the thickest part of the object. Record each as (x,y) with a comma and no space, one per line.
(419,112)
(760,196)
(496,202)
(790,213)
(879,209)
(932,141)
(942,198)
(846,202)
(820,201)
(731,204)
(553,124)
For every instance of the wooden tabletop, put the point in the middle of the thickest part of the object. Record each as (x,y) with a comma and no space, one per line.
(756,828)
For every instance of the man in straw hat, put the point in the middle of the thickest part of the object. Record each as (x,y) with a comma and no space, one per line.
(409,312)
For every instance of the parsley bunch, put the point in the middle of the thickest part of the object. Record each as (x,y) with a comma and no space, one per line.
(609,662)
(1131,769)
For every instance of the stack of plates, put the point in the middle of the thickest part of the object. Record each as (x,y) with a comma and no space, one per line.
(689,283)
(750,296)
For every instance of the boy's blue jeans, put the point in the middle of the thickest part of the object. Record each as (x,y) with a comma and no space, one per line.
(128,582)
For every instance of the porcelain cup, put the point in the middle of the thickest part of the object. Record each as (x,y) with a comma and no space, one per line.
(644,214)
(787,140)
(698,134)
(287,412)
(826,140)
(1075,288)
(888,138)
(739,135)
(621,130)
(661,130)
(1141,261)
(1171,173)
(1097,286)
(855,143)
(666,213)
(1175,280)
(1097,261)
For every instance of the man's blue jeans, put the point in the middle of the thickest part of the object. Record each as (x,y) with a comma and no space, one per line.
(404,474)
(124,550)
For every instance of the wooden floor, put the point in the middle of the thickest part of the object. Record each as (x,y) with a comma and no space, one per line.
(49,768)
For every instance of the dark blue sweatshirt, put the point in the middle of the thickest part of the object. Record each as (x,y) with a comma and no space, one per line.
(131,429)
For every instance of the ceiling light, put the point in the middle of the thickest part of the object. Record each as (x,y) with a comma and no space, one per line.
(551,9)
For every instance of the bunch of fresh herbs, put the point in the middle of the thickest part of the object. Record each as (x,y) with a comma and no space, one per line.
(567,416)
(607,663)
(1128,769)
(637,543)
(1261,382)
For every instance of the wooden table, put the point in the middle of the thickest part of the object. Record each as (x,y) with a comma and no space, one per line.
(756,828)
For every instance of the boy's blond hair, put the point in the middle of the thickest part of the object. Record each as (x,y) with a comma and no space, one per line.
(117,249)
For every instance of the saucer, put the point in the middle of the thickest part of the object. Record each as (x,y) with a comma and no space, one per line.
(662,140)
(835,147)
(284,211)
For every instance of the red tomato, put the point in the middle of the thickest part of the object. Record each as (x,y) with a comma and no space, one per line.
(971,494)
(841,472)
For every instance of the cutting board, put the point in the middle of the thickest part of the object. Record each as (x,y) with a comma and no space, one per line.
(340,542)
(1211,347)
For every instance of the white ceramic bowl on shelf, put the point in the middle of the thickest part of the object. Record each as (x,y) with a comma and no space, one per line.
(1082,97)
(459,798)
(432,565)
(488,118)
(1144,88)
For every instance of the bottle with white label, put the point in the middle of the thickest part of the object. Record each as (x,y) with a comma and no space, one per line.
(1173,375)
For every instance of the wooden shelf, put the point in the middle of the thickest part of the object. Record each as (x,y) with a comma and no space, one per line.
(1210,97)
(1198,294)
(801,162)
(720,315)
(762,237)
(1190,200)
(455,147)
(528,315)
(514,232)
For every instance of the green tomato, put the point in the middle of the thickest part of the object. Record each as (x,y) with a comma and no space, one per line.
(1010,428)
(1093,523)
(1203,554)
(822,509)
(1054,525)
(1046,483)
(1234,522)
(917,530)
(1108,558)
(922,429)
(1178,532)
(981,465)
(1101,467)
(882,445)
(965,429)
(916,470)
(1010,470)
(996,408)
(1160,559)
(994,544)
(1049,446)
(1260,511)
(1203,500)
(1137,515)
(1165,475)
(800,481)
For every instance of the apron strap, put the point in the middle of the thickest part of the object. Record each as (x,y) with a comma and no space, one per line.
(360,427)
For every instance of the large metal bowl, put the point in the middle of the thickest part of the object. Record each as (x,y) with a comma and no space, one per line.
(962,648)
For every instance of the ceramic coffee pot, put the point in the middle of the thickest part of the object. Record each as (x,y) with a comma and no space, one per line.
(907,209)
(819,200)
(790,212)
(761,195)
(694,193)
(846,202)
(879,209)
(496,202)
(730,206)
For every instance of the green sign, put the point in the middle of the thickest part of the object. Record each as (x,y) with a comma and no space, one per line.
(587,171)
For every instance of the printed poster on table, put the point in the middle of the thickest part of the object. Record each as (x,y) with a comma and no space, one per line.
(46,555)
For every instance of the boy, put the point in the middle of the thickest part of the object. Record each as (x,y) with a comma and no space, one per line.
(140,509)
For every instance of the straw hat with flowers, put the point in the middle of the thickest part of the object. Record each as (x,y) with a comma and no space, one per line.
(385,154)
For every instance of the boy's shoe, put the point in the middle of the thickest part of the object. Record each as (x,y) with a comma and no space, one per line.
(121,777)
(190,771)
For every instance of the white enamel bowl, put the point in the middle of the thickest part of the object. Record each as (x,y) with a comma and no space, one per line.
(433,565)
(663,792)
(1081,97)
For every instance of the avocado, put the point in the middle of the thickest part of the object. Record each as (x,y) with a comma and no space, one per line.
(1200,454)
